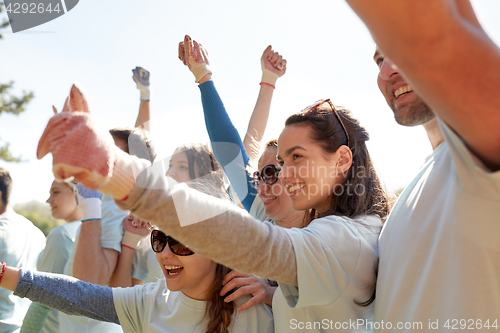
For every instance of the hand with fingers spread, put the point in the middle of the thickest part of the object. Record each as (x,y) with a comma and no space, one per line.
(194,55)
(247,284)
(141,77)
(135,230)
(273,66)
(81,150)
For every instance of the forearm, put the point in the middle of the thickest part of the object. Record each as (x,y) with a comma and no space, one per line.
(232,237)
(92,263)
(144,115)
(258,122)
(227,145)
(68,295)
(122,276)
(420,37)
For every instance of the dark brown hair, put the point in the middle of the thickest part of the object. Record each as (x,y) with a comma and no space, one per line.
(5,185)
(328,133)
(219,313)
(138,142)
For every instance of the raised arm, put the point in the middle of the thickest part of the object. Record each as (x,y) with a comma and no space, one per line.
(141,78)
(62,293)
(227,145)
(448,59)
(89,251)
(273,67)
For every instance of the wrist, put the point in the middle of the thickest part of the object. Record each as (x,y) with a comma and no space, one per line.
(145,94)
(131,240)
(269,77)
(91,209)
(200,72)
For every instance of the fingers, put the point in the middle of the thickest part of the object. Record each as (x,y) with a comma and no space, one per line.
(231,275)
(181,53)
(238,282)
(267,51)
(77,100)
(54,109)
(66,105)
(251,302)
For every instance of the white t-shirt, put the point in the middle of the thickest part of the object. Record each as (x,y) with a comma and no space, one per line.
(111,237)
(53,260)
(153,308)
(440,248)
(336,267)
(20,245)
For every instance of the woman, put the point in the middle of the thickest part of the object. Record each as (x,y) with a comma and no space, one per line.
(192,302)
(272,203)
(325,270)
(192,164)
(57,250)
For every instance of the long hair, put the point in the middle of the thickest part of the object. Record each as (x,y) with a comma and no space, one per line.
(219,313)
(362,192)
(352,202)
(206,176)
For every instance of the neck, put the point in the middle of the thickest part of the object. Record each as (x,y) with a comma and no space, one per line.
(3,208)
(75,216)
(294,220)
(433,132)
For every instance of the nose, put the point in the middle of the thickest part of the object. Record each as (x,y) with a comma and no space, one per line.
(286,173)
(170,173)
(388,69)
(49,200)
(166,253)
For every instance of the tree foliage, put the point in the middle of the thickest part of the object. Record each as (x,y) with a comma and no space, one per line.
(10,103)
(39,214)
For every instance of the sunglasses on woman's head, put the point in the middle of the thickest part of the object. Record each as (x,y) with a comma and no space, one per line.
(322,101)
(159,240)
(269,175)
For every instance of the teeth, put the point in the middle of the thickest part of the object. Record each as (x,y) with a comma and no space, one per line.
(267,199)
(172,267)
(295,187)
(402,90)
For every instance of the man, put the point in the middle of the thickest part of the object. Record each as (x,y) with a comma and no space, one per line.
(20,244)
(439,250)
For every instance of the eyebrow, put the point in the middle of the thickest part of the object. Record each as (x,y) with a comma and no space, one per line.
(291,150)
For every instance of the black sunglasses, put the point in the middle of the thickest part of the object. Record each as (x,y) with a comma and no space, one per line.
(159,240)
(269,175)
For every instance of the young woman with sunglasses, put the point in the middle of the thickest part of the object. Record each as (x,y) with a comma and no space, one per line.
(260,192)
(192,302)
(326,271)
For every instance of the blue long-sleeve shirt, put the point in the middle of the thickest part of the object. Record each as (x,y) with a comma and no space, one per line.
(227,145)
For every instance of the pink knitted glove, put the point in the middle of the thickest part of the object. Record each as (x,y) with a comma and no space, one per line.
(195,57)
(135,230)
(81,151)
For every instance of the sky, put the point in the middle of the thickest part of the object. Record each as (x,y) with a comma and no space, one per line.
(97,44)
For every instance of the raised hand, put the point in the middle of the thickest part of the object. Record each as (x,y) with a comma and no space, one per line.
(79,149)
(141,78)
(194,55)
(135,230)
(273,66)
(248,284)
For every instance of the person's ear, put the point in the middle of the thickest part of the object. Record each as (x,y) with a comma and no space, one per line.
(344,159)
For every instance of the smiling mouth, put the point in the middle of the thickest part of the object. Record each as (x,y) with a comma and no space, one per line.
(268,199)
(293,188)
(173,270)
(402,91)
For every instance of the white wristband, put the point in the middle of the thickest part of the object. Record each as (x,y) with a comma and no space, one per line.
(131,240)
(91,209)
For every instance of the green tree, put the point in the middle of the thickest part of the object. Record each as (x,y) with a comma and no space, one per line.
(39,214)
(9,102)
